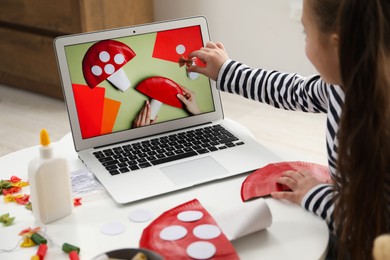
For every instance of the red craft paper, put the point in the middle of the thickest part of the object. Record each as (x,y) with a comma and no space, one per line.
(175,250)
(163,89)
(110,112)
(167,42)
(263,181)
(89,105)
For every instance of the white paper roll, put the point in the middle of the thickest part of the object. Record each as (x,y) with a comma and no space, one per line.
(240,221)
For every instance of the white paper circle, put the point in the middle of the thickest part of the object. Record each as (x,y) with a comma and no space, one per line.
(109,69)
(119,58)
(201,250)
(174,232)
(96,70)
(140,215)
(193,75)
(180,49)
(190,215)
(104,56)
(113,228)
(206,231)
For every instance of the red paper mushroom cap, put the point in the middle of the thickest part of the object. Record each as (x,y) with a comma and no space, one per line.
(263,181)
(103,59)
(162,89)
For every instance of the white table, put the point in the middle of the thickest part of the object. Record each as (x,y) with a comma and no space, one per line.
(294,233)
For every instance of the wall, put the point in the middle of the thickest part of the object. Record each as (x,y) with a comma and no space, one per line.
(260,33)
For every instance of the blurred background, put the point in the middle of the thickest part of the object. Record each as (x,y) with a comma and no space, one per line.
(260,33)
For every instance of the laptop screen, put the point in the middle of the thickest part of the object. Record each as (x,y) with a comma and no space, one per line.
(133,81)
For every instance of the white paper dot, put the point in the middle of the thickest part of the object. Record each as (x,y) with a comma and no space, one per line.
(180,49)
(174,232)
(119,58)
(206,231)
(109,69)
(96,70)
(140,215)
(193,75)
(104,56)
(190,215)
(113,228)
(201,250)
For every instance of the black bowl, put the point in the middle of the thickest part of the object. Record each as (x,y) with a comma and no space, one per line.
(129,253)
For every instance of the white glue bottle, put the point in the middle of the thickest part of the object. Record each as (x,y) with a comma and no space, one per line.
(50,184)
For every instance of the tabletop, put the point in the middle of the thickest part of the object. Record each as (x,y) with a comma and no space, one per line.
(294,233)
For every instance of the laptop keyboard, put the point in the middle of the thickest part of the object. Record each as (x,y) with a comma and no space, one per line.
(135,156)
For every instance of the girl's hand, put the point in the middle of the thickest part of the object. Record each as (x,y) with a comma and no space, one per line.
(189,100)
(213,55)
(143,117)
(300,182)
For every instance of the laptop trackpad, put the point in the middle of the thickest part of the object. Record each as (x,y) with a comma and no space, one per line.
(194,172)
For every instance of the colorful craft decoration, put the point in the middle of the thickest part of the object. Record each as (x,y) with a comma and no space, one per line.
(6,220)
(21,199)
(96,113)
(263,181)
(187,231)
(11,186)
(27,234)
(104,61)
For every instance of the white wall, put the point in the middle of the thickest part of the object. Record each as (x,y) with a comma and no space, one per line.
(260,33)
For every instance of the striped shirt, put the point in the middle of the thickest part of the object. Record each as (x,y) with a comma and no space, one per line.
(293,92)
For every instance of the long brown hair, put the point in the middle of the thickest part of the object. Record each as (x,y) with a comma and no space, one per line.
(361,205)
(364,139)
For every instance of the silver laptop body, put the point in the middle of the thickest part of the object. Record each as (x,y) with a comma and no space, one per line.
(103,108)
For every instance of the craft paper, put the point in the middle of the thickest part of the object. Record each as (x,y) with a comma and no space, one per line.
(201,250)
(263,181)
(89,105)
(175,239)
(172,45)
(113,228)
(140,215)
(190,215)
(110,112)
(248,218)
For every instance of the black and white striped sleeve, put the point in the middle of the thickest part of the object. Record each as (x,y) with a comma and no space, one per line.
(281,90)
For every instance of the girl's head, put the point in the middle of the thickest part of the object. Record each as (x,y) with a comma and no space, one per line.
(348,41)
(319,22)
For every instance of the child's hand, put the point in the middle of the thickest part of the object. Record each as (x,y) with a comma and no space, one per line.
(300,182)
(213,55)
(189,100)
(143,117)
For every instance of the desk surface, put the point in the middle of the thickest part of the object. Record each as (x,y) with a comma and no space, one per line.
(294,233)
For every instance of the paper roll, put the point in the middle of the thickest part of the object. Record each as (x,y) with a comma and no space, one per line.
(248,218)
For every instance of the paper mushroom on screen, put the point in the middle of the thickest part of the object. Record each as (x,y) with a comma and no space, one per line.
(104,61)
(161,90)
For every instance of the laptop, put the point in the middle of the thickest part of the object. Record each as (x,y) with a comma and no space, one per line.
(113,80)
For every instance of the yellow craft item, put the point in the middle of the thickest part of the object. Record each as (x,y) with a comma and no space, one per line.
(27,242)
(45,139)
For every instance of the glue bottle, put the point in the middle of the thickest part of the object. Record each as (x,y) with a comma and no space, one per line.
(50,184)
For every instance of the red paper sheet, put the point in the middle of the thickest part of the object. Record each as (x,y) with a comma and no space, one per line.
(89,105)
(263,181)
(177,249)
(170,44)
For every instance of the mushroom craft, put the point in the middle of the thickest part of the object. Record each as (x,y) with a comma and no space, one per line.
(161,90)
(104,60)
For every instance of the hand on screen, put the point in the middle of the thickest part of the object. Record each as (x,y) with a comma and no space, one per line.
(189,101)
(213,55)
(143,117)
